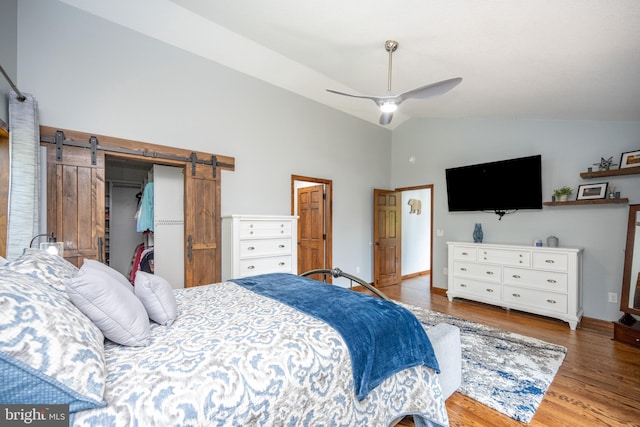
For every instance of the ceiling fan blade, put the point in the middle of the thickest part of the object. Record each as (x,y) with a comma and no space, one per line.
(385,118)
(433,89)
(375,99)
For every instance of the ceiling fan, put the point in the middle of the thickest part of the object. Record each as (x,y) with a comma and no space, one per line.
(389,103)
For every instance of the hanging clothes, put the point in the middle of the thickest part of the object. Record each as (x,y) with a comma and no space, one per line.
(145,218)
(135,262)
(146,261)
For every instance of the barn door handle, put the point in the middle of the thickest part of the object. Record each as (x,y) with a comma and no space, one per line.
(100,249)
(190,248)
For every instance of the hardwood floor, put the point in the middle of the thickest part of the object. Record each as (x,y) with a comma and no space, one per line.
(598,383)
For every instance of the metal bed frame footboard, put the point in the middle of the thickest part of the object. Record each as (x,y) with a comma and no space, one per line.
(336,272)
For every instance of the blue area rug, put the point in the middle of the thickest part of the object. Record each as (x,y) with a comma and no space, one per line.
(503,370)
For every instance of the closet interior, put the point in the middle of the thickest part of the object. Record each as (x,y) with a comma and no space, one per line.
(144,219)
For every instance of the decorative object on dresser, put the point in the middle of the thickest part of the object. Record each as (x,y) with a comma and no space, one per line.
(539,280)
(477,233)
(258,244)
(627,328)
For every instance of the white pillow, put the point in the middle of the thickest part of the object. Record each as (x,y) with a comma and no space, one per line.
(115,310)
(115,274)
(157,297)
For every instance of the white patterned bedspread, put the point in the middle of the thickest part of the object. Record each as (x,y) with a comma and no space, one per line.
(234,358)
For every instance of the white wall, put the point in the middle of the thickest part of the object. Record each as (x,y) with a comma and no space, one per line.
(94,76)
(567,148)
(8,54)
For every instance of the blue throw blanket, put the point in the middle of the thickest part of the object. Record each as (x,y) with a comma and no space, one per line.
(383,338)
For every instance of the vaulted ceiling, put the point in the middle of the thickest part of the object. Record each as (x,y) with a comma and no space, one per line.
(540,59)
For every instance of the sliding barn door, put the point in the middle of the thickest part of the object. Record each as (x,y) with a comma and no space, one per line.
(202,225)
(75,202)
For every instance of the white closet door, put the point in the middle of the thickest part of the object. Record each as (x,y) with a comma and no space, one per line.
(168,236)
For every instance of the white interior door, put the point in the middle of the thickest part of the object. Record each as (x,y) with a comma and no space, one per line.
(168,235)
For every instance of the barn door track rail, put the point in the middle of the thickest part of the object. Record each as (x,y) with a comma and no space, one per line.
(59,140)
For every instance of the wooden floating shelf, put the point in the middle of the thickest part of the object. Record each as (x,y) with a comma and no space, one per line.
(621,200)
(611,172)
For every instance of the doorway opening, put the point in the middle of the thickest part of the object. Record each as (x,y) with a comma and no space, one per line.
(403,229)
(311,201)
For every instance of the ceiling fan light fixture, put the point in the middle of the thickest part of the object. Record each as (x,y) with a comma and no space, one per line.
(388,107)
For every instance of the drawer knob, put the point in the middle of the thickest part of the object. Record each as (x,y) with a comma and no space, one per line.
(551,281)
(637,339)
(251,232)
(250,225)
(489,273)
(251,267)
(281,246)
(465,253)
(485,258)
(463,269)
(251,248)
(520,262)
(520,255)
(549,261)
(281,225)
(550,301)
(516,295)
(462,285)
(516,276)
(489,290)
(281,263)
(281,231)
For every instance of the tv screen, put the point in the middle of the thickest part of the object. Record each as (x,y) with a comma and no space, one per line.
(497,186)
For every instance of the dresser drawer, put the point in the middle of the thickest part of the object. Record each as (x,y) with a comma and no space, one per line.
(534,298)
(485,272)
(505,257)
(465,253)
(626,334)
(259,229)
(550,261)
(471,287)
(546,280)
(255,266)
(251,248)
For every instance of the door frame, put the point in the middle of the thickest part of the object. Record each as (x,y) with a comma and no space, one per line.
(328,212)
(424,187)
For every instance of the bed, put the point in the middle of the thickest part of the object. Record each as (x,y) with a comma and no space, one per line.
(222,354)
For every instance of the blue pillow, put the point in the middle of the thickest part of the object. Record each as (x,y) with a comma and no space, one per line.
(50,353)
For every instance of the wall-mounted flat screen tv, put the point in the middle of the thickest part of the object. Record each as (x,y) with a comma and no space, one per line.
(500,186)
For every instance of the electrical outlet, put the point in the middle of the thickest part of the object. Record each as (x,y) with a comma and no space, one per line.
(445,271)
(439,232)
(613,297)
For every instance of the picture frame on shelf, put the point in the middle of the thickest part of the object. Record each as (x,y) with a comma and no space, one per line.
(630,159)
(592,191)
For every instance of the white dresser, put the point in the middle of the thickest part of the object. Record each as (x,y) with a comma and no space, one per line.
(540,280)
(258,244)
